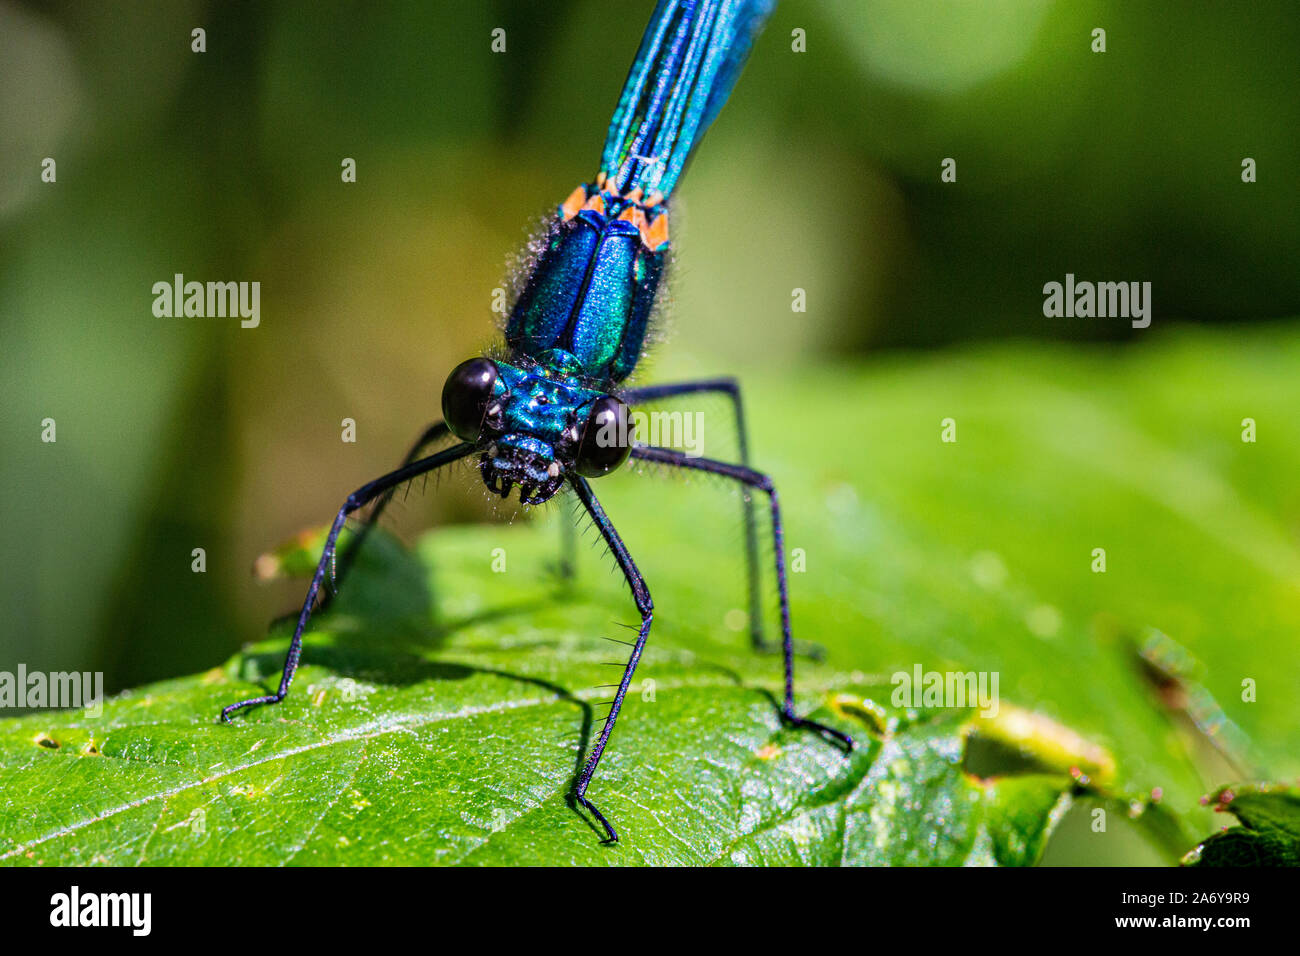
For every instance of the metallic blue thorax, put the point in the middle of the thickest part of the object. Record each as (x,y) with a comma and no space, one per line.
(592,289)
(590,294)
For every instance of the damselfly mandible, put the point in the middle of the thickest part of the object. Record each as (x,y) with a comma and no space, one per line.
(549,412)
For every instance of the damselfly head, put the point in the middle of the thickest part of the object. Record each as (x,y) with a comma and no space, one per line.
(505,466)
(534,426)
(471,391)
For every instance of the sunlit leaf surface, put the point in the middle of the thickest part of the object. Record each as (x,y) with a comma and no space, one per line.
(444,704)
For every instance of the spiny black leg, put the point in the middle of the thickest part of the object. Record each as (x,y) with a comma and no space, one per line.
(641,595)
(755,479)
(433,433)
(358,499)
(730,388)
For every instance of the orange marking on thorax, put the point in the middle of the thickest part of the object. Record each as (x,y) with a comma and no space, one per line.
(656,236)
(653,233)
(574,202)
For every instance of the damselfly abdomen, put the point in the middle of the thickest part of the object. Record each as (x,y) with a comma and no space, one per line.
(549,411)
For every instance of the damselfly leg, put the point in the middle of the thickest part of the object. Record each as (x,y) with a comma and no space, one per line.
(358,499)
(641,595)
(730,388)
(761,482)
(435,432)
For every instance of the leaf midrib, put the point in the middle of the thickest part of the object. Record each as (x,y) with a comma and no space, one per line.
(366,732)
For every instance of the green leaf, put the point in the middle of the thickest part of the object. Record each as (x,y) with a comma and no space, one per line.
(409,743)
(1269,834)
(442,708)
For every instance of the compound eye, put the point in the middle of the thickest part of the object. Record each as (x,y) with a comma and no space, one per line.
(466,396)
(606,438)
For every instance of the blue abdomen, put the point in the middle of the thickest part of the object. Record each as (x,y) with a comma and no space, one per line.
(590,293)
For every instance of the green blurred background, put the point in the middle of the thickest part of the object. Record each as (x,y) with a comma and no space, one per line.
(823,173)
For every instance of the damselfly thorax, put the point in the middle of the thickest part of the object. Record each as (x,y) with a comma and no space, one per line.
(577,330)
(593,288)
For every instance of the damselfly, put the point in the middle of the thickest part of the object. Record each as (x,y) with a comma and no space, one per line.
(550,412)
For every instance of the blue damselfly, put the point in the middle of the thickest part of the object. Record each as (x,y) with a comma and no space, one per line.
(549,412)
